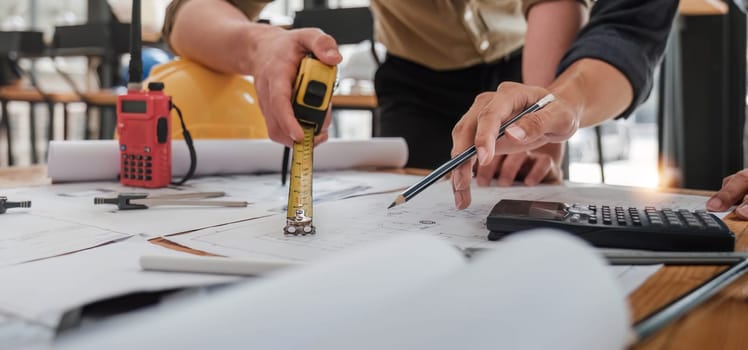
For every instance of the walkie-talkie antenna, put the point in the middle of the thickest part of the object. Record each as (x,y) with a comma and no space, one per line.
(135,71)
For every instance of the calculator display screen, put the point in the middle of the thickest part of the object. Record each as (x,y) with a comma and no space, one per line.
(538,210)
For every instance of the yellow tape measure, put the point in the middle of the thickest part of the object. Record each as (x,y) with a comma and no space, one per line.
(311,99)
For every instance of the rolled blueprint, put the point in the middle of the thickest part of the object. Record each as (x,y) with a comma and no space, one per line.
(99,159)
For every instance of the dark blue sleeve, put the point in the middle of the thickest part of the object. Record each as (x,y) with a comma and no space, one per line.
(628,34)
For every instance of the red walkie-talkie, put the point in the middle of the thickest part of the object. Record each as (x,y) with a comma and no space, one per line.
(143,123)
(144,128)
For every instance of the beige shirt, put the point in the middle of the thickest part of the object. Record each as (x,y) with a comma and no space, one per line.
(439,34)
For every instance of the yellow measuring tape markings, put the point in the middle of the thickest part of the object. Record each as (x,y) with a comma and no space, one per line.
(299,212)
(311,99)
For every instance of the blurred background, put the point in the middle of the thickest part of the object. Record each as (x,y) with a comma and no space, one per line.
(689,133)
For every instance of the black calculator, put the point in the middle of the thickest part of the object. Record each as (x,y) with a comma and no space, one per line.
(615,226)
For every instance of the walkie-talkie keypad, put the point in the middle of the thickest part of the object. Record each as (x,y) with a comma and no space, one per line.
(616,226)
(137,167)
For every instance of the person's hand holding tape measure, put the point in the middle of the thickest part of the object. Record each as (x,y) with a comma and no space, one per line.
(219,35)
(276,64)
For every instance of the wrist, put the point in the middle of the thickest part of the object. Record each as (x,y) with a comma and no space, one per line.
(570,88)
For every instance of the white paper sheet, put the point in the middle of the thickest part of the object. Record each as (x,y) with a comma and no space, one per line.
(347,223)
(25,237)
(73,160)
(73,202)
(410,292)
(35,289)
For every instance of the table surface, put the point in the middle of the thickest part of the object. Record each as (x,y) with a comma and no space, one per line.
(718,323)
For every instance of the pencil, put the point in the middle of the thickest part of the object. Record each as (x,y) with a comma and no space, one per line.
(442,170)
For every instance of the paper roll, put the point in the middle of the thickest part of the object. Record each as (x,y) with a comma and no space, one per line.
(99,159)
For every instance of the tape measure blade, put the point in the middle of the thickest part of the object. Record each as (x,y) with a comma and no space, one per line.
(300,201)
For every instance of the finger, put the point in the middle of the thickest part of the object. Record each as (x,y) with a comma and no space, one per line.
(322,137)
(320,44)
(542,167)
(726,180)
(547,125)
(274,129)
(508,100)
(733,191)
(485,173)
(280,100)
(510,168)
(461,178)
(463,134)
(742,210)
(324,134)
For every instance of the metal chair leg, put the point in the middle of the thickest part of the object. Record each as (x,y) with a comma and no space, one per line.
(32,133)
(600,159)
(5,122)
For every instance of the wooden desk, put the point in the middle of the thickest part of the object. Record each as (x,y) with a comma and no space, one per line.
(717,324)
(354,101)
(702,7)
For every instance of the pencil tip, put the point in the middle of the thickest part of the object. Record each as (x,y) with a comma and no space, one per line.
(391,205)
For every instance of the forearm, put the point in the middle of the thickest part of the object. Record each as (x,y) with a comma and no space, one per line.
(551,28)
(218,35)
(596,90)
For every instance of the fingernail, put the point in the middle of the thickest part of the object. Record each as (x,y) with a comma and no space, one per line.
(482,156)
(483,182)
(332,53)
(504,182)
(516,132)
(714,204)
(743,210)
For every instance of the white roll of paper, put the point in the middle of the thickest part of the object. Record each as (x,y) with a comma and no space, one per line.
(99,159)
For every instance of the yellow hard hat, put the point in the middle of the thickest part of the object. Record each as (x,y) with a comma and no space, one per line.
(214,105)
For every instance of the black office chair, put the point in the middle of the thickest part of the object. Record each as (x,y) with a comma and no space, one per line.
(350,25)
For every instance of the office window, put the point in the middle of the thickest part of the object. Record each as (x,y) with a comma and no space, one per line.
(629,149)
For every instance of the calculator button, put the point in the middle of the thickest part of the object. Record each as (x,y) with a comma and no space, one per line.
(574,218)
(147,178)
(592,220)
(607,221)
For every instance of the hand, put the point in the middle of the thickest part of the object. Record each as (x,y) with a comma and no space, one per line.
(556,122)
(275,64)
(533,167)
(734,191)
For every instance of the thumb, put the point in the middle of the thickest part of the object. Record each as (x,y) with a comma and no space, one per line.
(323,46)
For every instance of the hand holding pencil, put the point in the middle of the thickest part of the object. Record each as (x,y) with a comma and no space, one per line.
(480,130)
(480,127)
(464,156)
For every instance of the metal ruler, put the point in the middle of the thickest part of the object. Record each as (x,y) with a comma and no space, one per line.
(311,100)
(638,257)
